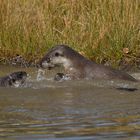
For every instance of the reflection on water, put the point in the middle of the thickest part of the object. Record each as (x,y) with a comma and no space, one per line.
(73,110)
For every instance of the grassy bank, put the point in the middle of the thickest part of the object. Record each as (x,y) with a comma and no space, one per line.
(107,31)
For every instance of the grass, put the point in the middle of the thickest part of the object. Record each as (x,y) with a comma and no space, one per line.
(107,31)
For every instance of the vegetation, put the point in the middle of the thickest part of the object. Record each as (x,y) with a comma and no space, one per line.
(107,31)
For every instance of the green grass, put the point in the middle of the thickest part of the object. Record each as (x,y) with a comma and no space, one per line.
(99,29)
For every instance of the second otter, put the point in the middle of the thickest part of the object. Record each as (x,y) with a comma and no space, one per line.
(78,67)
(14,79)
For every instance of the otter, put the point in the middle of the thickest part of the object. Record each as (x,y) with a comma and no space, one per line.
(78,67)
(61,77)
(14,79)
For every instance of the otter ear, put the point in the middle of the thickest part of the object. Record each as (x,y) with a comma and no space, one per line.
(58,54)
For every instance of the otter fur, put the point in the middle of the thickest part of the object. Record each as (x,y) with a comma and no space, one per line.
(79,67)
(14,79)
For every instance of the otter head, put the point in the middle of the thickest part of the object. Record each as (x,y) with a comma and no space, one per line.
(16,79)
(59,55)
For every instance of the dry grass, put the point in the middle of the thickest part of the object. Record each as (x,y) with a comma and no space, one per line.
(99,29)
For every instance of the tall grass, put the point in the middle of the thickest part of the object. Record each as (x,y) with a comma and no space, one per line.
(99,29)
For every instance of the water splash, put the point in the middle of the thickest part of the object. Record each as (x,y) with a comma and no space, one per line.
(40,75)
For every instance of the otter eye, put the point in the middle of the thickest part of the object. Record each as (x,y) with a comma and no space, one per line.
(57,54)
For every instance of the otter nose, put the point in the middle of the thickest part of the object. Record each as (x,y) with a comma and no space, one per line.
(41,62)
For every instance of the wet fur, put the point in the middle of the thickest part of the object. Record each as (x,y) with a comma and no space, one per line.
(11,79)
(80,67)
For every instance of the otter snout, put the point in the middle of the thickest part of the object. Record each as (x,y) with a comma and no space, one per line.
(46,63)
(43,62)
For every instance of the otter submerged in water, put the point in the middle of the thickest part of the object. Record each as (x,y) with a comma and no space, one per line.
(14,79)
(78,67)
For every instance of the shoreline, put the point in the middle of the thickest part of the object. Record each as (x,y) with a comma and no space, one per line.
(20,61)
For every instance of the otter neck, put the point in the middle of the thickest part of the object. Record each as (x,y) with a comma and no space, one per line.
(71,66)
(67,64)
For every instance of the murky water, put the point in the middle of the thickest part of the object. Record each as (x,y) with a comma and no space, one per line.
(72,110)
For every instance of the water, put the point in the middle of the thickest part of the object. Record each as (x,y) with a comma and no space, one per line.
(72,110)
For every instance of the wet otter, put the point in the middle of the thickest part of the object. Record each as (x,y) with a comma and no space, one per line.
(61,77)
(79,67)
(14,79)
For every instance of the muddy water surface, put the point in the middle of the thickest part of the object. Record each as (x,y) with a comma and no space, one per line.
(72,110)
